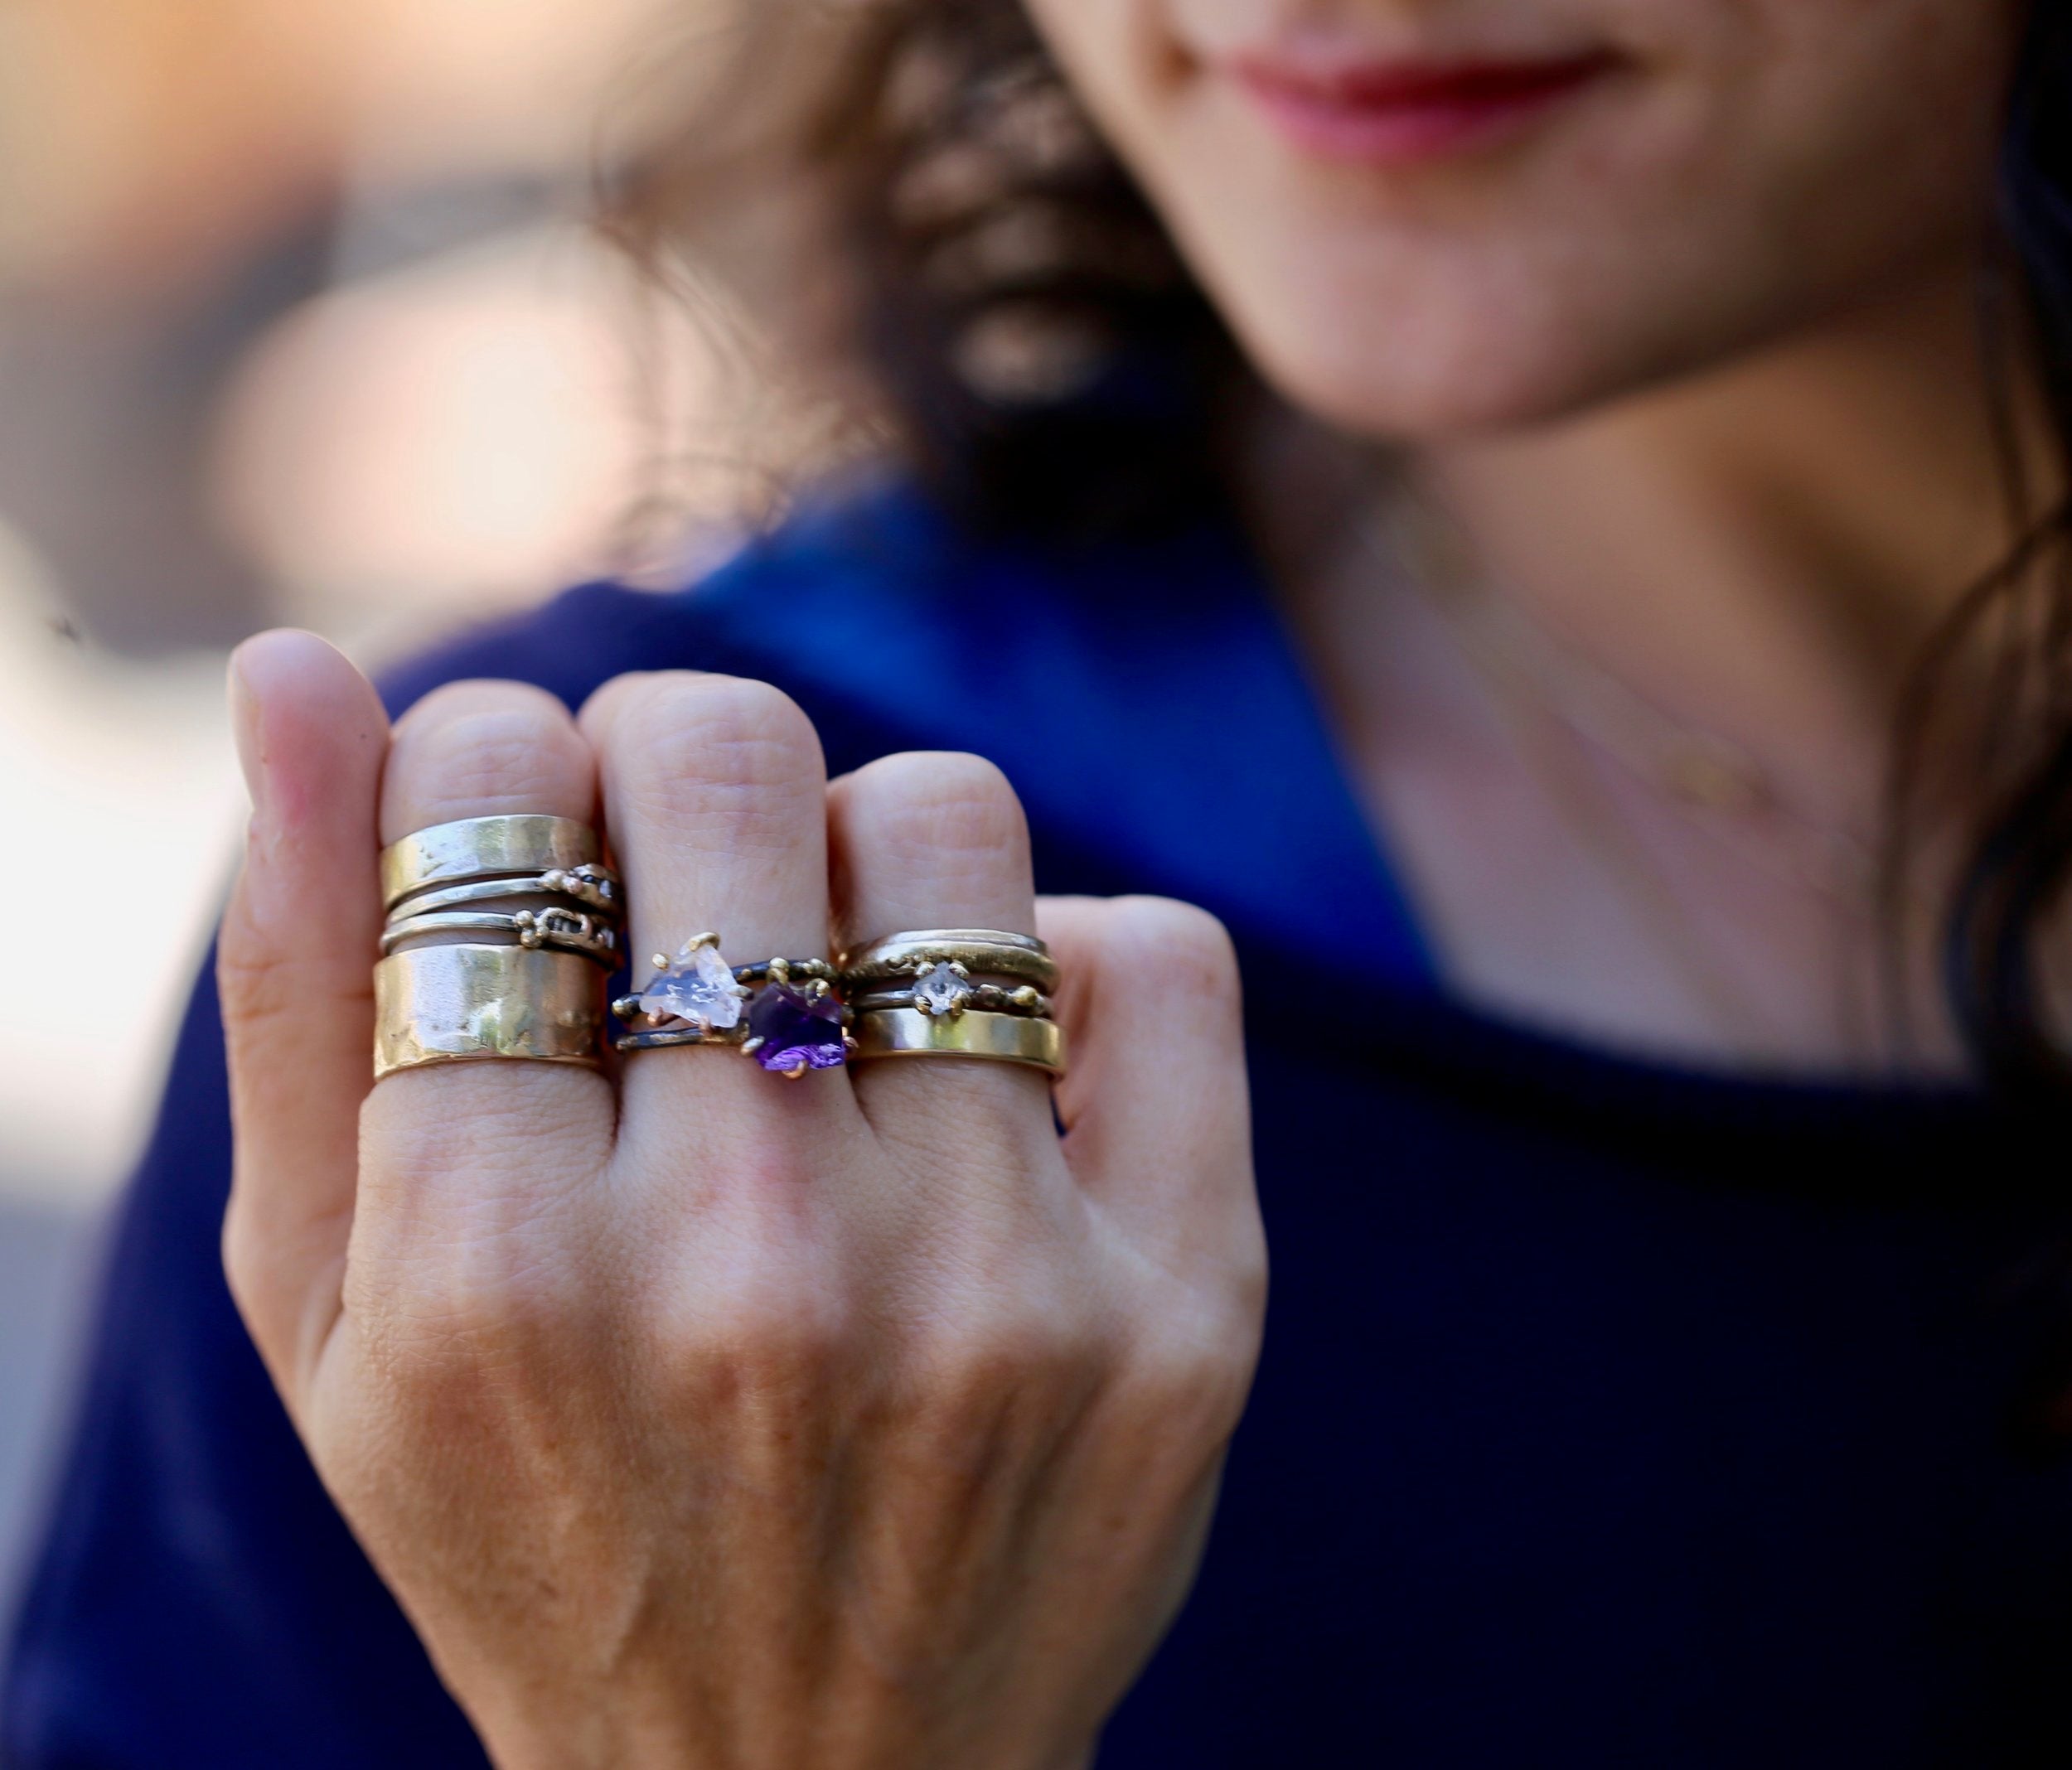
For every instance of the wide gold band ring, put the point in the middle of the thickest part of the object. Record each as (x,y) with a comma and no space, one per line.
(456,1004)
(997,1039)
(479,847)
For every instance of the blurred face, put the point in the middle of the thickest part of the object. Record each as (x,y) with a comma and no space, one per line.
(1424,216)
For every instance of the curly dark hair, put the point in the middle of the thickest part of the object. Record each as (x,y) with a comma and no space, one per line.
(940,251)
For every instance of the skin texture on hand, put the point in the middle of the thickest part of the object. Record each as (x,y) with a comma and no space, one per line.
(698,1419)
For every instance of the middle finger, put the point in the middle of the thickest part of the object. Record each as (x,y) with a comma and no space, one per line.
(715,800)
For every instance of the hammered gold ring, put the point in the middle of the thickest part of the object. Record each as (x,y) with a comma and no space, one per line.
(500,932)
(462,1004)
(513,846)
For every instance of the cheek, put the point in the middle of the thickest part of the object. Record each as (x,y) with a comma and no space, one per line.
(1770,160)
(1123,61)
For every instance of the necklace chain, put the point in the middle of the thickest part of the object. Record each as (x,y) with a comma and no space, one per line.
(1706,778)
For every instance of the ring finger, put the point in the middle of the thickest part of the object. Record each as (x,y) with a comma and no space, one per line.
(927,840)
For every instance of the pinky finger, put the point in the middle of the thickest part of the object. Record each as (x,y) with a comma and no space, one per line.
(1156,1110)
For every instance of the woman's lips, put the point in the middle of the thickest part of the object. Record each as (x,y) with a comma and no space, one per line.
(1401,114)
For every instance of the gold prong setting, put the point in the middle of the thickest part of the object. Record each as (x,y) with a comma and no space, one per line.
(783,1013)
(942,987)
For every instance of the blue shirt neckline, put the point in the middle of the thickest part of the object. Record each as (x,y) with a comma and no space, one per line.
(1148,700)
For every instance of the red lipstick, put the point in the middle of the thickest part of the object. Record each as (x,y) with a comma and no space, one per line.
(1403,112)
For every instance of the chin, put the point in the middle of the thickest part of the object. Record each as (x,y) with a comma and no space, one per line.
(1479,350)
(1414,373)
(1384,395)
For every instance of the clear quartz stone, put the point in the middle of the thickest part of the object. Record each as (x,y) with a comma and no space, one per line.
(698,987)
(941,991)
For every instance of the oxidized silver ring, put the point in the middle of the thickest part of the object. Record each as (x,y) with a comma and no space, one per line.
(565,930)
(594,888)
(783,1013)
(947,991)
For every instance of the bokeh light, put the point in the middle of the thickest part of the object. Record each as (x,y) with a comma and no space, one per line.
(301,323)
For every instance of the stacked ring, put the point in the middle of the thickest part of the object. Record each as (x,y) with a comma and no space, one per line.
(953,995)
(958,993)
(564,930)
(542,875)
(511,847)
(499,931)
(999,1038)
(592,886)
(977,952)
(452,1004)
(783,1013)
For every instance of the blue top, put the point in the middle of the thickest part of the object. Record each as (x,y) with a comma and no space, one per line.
(1608,1415)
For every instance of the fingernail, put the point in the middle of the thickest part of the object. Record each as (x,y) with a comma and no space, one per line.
(244,730)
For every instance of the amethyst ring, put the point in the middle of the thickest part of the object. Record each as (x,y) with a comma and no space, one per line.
(783,1013)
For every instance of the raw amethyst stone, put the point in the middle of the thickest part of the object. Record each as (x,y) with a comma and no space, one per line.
(796,1028)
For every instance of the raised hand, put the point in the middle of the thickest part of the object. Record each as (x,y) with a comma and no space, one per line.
(698,1418)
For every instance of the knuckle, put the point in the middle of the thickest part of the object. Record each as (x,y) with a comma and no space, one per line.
(1246,1279)
(1193,1374)
(473,749)
(939,801)
(452,700)
(472,1233)
(251,981)
(243,1255)
(477,1131)
(1025,1347)
(1185,948)
(499,1300)
(690,715)
(762,1340)
(715,749)
(261,980)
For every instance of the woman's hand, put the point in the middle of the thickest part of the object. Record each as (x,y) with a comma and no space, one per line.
(711,1419)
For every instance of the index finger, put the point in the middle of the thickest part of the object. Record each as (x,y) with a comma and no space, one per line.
(497,1129)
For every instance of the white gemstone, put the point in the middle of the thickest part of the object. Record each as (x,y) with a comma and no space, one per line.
(698,987)
(941,991)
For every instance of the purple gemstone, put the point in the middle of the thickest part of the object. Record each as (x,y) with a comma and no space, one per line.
(796,1028)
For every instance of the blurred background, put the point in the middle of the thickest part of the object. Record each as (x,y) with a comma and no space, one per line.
(299,322)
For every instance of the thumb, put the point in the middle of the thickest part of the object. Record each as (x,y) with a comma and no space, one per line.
(294,970)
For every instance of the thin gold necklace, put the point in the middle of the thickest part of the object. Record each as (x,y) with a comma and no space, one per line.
(1710,780)
(1716,786)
